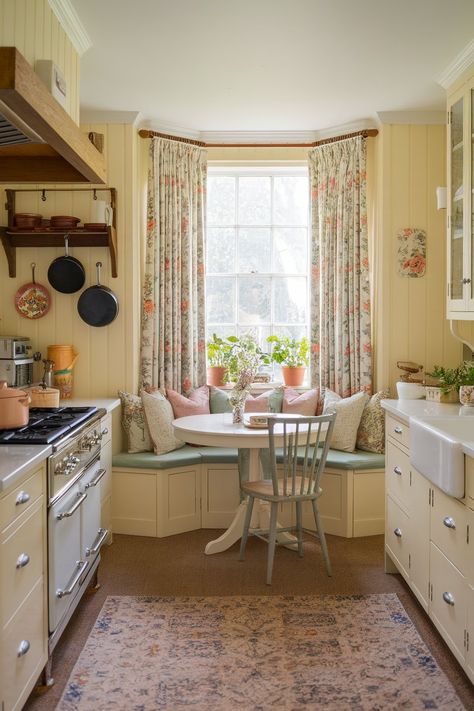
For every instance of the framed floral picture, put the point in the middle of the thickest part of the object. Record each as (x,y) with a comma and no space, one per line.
(411,252)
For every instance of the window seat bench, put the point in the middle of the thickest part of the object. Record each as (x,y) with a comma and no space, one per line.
(198,487)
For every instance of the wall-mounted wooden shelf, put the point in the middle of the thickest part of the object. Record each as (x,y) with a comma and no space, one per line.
(83,238)
(12,238)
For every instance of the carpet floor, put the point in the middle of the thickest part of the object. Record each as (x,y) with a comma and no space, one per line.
(177,566)
(338,653)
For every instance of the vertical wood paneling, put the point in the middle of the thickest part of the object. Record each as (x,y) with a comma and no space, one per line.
(412,319)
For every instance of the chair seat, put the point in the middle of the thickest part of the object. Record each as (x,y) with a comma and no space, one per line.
(263,488)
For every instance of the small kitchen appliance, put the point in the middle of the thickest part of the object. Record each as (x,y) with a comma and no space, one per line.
(16,361)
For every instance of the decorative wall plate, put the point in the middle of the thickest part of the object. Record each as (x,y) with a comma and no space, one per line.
(32,300)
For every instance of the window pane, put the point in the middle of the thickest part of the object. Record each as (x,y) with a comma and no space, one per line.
(290,247)
(254,300)
(254,249)
(220,299)
(220,250)
(220,200)
(290,200)
(221,331)
(254,201)
(290,300)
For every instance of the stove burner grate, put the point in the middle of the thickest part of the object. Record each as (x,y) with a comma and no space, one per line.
(47,425)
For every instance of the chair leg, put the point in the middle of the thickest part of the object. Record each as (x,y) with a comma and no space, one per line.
(245,532)
(299,528)
(322,537)
(272,540)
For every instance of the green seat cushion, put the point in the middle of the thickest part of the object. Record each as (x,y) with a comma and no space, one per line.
(219,455)
(359,459)
(181,457)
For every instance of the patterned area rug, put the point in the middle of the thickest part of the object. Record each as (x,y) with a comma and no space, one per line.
(337,653)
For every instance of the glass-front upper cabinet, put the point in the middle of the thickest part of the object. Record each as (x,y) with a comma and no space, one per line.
(461,204)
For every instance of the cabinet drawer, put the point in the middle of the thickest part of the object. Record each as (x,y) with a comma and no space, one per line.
(397,474)
(21,560)
(20,498)
(399,431)
(448,607)
(449,528)
(397,537)
(26,631)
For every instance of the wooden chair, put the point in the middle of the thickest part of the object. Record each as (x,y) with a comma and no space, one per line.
(297,481)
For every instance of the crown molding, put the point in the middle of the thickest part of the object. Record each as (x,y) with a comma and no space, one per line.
(71,24)
(412,117)
(260,137)
(454,70)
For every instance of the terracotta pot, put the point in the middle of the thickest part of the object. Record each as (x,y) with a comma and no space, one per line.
(293,376)
(216,375)
(13,407)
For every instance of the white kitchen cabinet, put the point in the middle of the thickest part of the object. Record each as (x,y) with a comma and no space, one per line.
(106,481)
(428,539)
(407,511)
(23,588)
(460,217)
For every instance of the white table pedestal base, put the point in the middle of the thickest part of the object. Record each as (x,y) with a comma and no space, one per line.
(260,520)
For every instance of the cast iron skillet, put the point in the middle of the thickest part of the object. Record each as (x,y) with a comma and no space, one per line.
(66,274)
(98,305)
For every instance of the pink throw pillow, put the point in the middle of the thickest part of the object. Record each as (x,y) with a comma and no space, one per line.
(296,403)
(196,404)
(261,403)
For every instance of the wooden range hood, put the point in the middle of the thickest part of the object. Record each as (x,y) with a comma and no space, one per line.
(45,145)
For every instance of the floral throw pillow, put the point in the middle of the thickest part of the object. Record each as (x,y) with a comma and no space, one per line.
(348,413)
(371,432)
(134,423)
(197,402)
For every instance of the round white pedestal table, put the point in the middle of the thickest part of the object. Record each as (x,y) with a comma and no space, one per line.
(219,431)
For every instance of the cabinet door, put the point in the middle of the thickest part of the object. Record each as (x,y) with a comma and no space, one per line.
(397,537)
(448,604)
(469,668)
(456,205)
(419,537)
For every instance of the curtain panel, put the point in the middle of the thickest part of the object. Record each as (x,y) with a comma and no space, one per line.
(173,311)
(341,349)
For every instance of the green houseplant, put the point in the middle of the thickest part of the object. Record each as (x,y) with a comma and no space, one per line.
(293,356)
(244,354)
(218,352)
(454,382)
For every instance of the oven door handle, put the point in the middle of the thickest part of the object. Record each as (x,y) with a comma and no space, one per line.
(81,565)
(66,514)
(101,473)
(100,538)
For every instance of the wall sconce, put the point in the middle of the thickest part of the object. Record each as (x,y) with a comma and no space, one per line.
(441,198)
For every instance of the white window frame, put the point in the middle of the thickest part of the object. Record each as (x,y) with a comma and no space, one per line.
(272,169)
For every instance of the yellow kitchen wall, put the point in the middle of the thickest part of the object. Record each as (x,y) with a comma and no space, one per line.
(33,28)
(108,356)
(410,316)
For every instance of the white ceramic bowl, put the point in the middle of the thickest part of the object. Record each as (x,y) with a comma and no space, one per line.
(410,391)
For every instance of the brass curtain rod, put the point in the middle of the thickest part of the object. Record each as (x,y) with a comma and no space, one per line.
(370,132)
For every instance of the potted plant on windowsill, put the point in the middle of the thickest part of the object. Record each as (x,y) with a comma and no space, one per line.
(293,356)
(218,353)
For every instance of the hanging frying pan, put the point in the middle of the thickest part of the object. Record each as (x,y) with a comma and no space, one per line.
(32,300)
(98,305)
(66,274)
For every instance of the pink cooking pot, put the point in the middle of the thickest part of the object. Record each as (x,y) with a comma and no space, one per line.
(13,407)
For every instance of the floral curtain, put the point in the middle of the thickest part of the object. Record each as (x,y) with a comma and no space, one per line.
(173,312)
(341,349)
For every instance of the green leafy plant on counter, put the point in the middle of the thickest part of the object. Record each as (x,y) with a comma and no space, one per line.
(449,379)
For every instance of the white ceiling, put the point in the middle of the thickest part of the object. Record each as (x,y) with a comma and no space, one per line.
(193,66)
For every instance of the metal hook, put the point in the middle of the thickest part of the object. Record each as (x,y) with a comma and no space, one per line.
(43,195)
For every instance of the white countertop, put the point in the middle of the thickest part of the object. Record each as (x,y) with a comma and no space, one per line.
(15,459)
(108,404)
(404,409)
